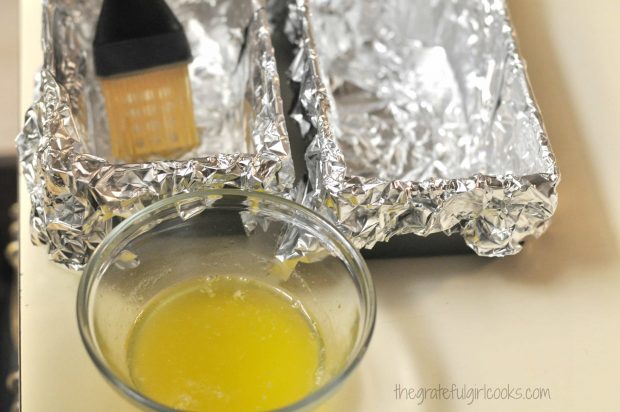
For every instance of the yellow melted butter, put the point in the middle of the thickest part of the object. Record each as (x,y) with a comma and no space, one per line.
(224,344)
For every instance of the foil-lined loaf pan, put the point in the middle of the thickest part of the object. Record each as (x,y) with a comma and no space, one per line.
(78,192)
(418,118)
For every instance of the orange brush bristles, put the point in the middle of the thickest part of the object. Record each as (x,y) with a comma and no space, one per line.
(150,113)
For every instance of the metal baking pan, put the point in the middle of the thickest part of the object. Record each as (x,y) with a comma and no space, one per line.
(416,121)
(78,192)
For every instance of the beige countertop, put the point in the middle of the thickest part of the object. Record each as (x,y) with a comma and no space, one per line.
(9,120)
(547,318)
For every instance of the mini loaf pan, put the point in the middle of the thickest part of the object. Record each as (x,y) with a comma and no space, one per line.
(79,193)
(418,123)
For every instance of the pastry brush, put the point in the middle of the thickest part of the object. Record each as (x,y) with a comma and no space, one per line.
(141,57)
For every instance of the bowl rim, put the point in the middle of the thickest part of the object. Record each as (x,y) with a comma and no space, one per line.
(356,266)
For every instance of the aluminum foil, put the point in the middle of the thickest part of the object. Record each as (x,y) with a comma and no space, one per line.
(78,192)
(419,119)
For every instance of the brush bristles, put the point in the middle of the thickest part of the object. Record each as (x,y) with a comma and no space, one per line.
(150,113)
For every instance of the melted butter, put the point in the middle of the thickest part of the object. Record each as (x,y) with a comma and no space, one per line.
(224,344)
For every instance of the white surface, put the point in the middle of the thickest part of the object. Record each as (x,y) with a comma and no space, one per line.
(9,122)
(549,317)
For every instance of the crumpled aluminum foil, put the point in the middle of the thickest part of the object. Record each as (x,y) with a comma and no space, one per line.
(419,119)
(79,193)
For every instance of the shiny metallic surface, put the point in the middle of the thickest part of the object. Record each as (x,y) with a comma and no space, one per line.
(78,192)
(419,119)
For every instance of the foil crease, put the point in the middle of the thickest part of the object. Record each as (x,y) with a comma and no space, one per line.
(78,193)
(419,118)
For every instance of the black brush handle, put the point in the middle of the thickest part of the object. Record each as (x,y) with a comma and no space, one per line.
(135,35)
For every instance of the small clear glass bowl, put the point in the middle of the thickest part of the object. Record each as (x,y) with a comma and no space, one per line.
(235,233)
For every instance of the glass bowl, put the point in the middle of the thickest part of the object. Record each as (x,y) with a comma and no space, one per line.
(235,233)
